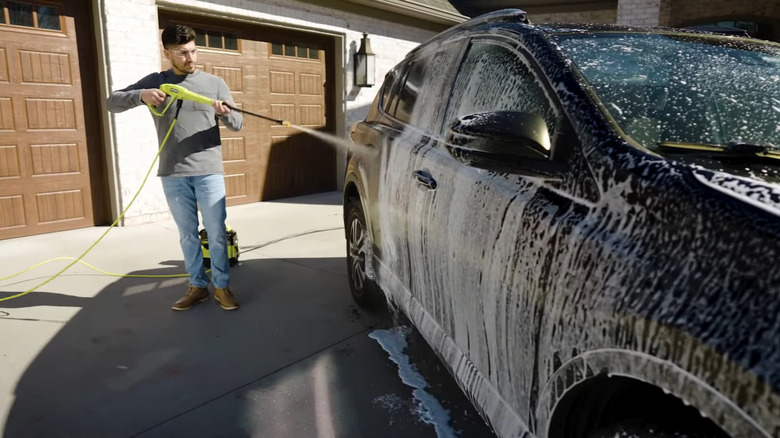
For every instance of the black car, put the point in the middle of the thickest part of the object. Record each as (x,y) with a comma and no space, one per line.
(583,222)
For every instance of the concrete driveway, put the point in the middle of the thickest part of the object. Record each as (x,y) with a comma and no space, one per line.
(90,354)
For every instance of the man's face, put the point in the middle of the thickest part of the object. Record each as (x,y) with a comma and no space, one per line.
(182,57)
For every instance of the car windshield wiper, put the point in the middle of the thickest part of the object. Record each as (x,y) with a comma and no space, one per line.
(730,150)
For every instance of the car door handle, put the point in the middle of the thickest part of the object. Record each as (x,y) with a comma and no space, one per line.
(425,179)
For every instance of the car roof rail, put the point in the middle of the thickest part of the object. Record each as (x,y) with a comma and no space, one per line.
(501,15)
(510,14)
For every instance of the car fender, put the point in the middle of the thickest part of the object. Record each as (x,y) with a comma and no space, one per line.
(669,377)
(352,178)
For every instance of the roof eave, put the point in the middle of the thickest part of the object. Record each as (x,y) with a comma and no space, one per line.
(416,10)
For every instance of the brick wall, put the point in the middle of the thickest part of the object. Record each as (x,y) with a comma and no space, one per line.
(691,11)
(641,12)
(684,12)
(599,16)
(132,41)
(132,50)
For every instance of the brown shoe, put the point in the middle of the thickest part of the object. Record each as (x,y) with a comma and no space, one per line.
(225,298)
(193,296)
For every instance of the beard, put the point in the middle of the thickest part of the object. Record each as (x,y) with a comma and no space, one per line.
(185,67)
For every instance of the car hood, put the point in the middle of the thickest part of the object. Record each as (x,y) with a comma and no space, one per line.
(762,195)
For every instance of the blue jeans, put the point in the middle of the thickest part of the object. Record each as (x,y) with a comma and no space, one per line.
(184,195)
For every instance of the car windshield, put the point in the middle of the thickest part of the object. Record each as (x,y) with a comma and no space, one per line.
(689,97)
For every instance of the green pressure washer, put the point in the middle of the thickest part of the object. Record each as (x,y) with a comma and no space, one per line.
(177,92)
(232,246)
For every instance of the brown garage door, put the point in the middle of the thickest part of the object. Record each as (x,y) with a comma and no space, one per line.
(44,160)
(280,74)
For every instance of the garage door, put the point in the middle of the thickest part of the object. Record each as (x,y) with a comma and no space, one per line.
(44,160)
(280,74)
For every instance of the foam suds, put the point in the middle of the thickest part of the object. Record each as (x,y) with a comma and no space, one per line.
(393,341)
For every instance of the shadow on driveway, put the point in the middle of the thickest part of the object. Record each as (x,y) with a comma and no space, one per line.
(294,361)
(126,364)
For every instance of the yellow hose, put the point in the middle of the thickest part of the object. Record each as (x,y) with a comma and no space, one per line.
(78,259)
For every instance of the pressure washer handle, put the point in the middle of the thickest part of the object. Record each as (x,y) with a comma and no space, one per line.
(177,92)
(154,111)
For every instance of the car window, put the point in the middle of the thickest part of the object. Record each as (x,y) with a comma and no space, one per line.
(678,88)
(422,99)
(494,77)
(412,87)
(390,91)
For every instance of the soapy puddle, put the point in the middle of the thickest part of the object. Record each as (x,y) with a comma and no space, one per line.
(393,341)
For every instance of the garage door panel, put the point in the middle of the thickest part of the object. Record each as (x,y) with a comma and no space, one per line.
(282,82)
(6,114)
(3,66)
(50,114)
(55,159)
(9,163)
(12,214)
(59,206)
(233,77)
(312,115)
(45,67)
(233,150)
(284,111)
(311,84)
(236,188)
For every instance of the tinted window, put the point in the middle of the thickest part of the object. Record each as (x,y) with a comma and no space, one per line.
(410,91)
(426,87)
(495,78)
(389,99)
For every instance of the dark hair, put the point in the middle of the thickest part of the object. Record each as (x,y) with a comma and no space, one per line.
(177,34)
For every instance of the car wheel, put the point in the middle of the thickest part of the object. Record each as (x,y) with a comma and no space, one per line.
(364,289)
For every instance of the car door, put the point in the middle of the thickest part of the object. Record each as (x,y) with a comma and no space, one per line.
(483,237)
(416,109)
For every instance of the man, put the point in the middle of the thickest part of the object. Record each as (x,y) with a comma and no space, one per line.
(190,164)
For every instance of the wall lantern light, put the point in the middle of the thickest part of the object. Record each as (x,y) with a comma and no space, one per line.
(364,63)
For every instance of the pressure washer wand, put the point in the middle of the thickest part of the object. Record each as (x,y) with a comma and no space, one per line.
(281,122)
(179,92)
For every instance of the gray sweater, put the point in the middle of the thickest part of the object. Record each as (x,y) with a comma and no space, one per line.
(194,147)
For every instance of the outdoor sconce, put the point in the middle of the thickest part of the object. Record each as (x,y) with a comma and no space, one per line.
(364,64)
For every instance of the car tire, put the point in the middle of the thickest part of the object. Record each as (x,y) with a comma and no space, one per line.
(642,428)
(366,293)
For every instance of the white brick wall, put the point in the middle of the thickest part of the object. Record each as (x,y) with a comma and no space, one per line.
(600,16)
(132,45)
(639,12)
(131,40)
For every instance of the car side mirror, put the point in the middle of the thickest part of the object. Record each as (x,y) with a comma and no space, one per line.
(502,132)
(500,137)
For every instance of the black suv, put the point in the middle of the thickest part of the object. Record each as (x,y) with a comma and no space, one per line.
(583,223)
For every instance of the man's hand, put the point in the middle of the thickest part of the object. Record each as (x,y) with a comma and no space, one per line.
(221,108)
(153,96)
